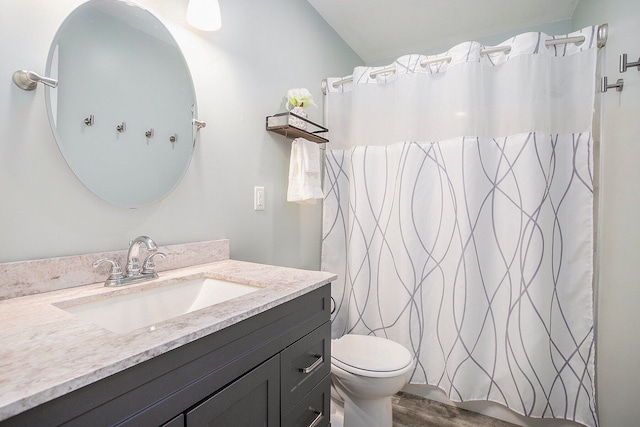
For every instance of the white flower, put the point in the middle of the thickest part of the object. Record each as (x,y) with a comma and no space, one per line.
(299,97)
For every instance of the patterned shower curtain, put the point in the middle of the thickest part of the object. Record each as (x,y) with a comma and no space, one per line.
(459,218)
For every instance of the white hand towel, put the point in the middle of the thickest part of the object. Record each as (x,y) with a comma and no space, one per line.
(304,172)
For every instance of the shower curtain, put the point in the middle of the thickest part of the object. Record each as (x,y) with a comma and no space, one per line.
(458,215)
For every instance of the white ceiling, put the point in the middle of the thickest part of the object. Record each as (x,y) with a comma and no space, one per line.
(380,29)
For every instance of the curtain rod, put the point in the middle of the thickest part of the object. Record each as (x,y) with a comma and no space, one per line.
(603,31)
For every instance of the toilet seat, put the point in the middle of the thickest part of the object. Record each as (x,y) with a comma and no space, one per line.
(370,356)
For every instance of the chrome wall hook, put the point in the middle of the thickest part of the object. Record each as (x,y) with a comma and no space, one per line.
(173,138)
(121,127)
(149,133)
(624,64)
(28,80)
(89,120)
(604,85)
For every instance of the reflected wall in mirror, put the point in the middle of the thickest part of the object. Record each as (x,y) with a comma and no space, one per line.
(123,111)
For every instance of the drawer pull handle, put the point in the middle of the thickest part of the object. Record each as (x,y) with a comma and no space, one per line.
(317,420)
(313,366)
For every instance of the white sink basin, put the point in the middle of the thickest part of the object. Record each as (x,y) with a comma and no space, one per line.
(125,313)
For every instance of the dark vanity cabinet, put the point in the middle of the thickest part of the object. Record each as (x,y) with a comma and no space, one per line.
(252,400)
(271,369)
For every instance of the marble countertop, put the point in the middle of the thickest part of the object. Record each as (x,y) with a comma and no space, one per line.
(46,352)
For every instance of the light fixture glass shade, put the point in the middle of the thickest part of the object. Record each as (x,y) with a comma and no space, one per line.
(204,14)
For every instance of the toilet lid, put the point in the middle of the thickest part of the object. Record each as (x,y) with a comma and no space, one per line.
(369,353)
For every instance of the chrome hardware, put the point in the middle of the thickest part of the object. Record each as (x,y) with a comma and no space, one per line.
(115,275)
(199,123)
(173,138)
(317,419)
(149,133)
(133,261)
(313,366)
(333,305)
(89,120)
(121,127)
(148,267)
(624,64)
(133,273)
(28,80)
(603,35)
(604,85)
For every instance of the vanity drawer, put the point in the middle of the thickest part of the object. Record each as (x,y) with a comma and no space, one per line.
(313,410)
(304,364)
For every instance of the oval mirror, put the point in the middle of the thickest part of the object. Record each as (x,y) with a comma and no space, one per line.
(123,111)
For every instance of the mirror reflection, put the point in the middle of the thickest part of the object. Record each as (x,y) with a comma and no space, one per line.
(123,109)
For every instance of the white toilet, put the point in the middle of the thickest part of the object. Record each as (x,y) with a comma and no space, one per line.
(366,371)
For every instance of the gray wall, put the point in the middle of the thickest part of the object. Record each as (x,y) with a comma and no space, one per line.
(241,74)
(618,290)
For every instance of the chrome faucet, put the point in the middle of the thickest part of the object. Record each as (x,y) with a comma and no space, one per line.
(133,262)
(133,272)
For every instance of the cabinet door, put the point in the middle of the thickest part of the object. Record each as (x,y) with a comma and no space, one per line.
(253,400)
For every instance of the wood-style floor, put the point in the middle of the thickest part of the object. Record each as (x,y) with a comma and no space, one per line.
(414,411)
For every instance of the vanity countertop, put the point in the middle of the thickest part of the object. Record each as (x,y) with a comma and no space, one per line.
(46,352)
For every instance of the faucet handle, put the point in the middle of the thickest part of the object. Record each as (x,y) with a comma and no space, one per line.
(148,267)
(115,275)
